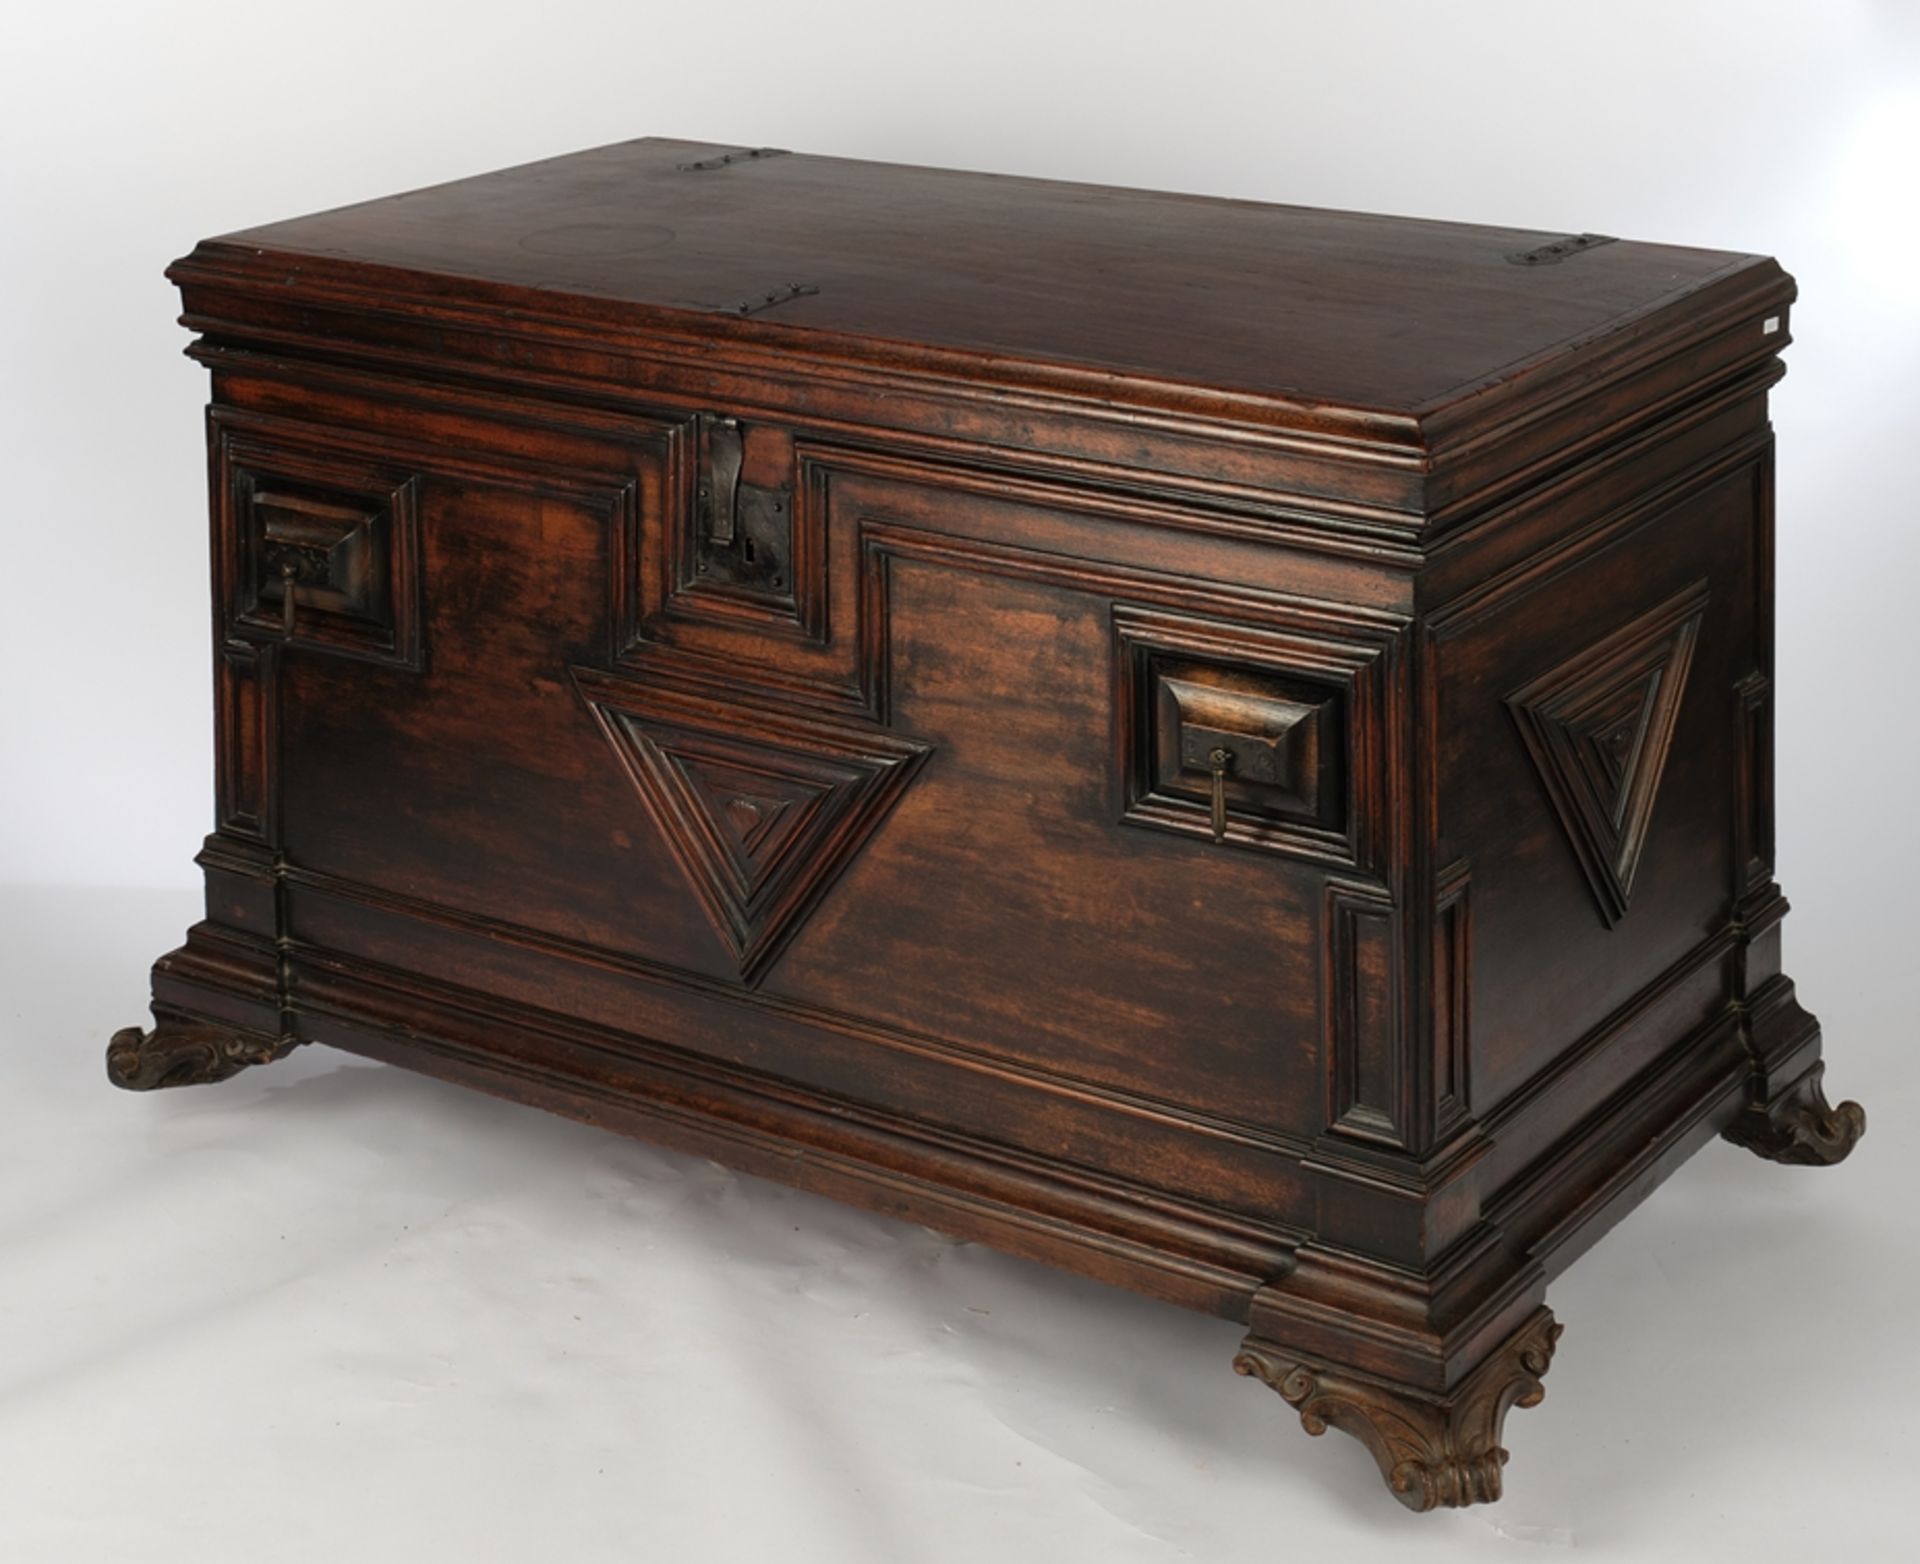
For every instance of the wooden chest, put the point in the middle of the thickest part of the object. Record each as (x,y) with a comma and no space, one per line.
(1222,746)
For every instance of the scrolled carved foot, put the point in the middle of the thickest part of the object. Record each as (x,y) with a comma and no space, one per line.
(186,1053)
(1434,1450)
(1798,1126)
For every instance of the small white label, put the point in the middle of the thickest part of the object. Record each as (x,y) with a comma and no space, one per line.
(1770,325)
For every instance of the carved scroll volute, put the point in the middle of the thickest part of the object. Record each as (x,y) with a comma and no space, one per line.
(1799,1127)
(1435,1451)
(186,1053)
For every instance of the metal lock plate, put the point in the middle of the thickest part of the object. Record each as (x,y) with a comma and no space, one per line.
(744,532)
(759,553)
(1251,757)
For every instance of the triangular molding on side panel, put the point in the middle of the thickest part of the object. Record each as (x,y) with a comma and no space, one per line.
(762,808)
(1599,727)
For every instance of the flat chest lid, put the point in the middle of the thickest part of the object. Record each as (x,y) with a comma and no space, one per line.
(1291,306)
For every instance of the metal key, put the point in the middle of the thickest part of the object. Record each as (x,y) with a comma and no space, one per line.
(1219,760)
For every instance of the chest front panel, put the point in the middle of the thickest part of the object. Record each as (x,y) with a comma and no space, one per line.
(935,804)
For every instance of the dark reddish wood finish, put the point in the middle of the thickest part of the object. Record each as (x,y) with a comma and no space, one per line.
(889,861)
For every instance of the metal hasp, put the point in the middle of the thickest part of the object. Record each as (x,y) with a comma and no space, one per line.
(745,533)
(721,452)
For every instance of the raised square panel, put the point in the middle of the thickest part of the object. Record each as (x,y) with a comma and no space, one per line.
(321,551)
(1294,713)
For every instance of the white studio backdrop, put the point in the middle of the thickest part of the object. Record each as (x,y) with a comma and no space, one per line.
(127,132)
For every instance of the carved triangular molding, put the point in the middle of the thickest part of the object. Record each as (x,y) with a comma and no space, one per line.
(763,809)
(751,814)
(1599,727)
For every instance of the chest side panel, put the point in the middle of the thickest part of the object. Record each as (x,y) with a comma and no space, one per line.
(1601,785)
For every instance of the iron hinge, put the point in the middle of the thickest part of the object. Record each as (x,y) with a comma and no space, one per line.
(748,155)
(773,296)
(1559,250)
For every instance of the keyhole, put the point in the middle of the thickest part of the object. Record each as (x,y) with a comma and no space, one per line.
(746,550)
